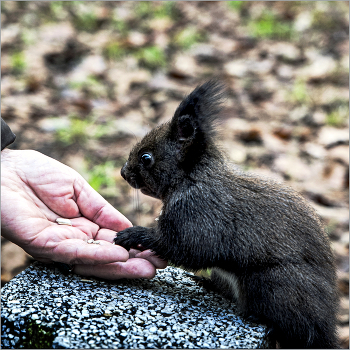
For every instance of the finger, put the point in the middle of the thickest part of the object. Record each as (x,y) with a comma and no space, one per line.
(153,258)
(133,252)
(133,268)
(150,256)
(106,235)
(54,186)
(86,226)
(94,207)
(77,251)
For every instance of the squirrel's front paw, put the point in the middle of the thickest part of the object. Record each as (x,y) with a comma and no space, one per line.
(124,239)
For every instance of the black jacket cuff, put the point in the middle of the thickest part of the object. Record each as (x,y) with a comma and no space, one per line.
(7,136)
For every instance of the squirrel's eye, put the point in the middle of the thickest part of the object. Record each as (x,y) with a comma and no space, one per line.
(146,159)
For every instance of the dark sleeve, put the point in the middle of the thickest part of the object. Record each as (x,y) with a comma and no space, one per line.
(7,136)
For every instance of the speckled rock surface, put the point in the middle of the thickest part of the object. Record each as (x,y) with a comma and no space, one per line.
(43,308)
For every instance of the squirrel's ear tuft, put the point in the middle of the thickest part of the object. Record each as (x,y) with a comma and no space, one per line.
(192,126)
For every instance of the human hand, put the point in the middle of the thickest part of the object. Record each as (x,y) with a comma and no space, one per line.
(36,190)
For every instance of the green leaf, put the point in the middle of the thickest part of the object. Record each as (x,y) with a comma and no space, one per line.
(235,5)
(270,27)
(18,63)
(187,37)
(152,57)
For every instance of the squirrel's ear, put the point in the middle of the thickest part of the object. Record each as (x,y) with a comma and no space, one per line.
(185,135)
(186,129)
(192,126)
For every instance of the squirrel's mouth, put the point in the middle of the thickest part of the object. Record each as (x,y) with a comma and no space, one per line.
(133,182)
(137,183)
(147,192)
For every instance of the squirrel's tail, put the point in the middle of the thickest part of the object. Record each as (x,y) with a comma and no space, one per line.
(298,314)
(306,336)
(301,312)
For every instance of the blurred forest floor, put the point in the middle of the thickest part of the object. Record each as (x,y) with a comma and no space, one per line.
(83,81)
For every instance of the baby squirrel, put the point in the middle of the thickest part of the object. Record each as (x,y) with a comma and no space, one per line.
(265,244)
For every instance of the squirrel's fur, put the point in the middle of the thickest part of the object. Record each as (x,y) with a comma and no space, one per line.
(265,243)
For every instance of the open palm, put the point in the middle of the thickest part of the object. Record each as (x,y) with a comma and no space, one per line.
(36,190)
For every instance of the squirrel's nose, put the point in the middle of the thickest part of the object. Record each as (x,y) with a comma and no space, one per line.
(122,172)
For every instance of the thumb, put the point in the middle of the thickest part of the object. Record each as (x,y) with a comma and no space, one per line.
(95,208)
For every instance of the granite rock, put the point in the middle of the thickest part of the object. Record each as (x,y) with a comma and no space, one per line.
(42,307)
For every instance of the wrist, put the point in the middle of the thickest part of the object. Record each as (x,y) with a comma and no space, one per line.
(5,152)
(8,163)
(7,155)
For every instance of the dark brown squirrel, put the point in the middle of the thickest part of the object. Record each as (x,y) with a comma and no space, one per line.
(265,243)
